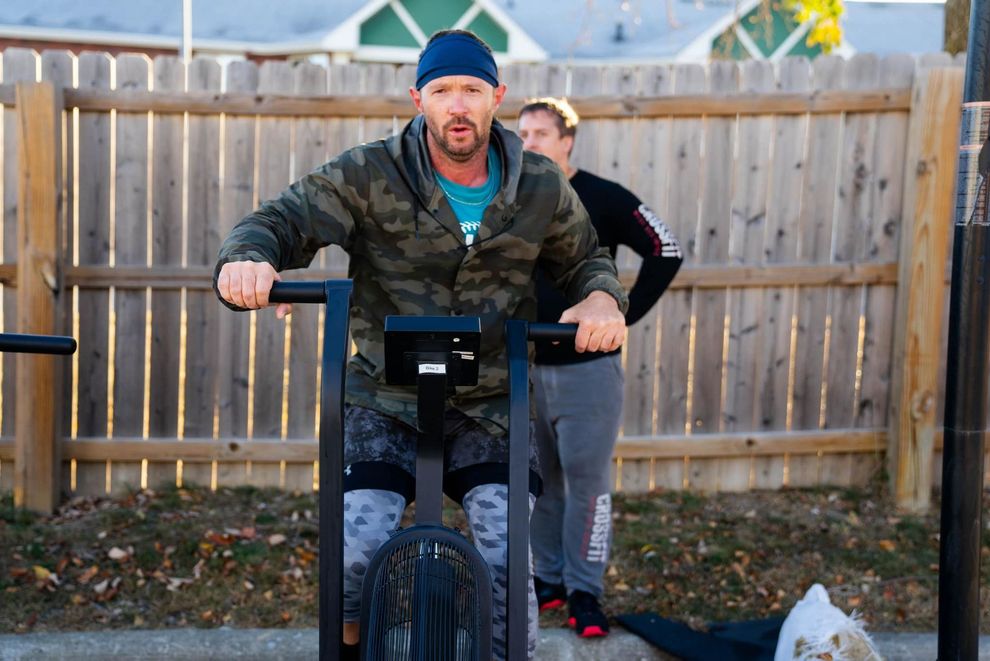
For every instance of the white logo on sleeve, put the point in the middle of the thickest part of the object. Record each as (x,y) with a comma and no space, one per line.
(670,247)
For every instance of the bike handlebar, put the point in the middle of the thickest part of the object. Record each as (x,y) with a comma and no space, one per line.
(298,292)
(552,332)
(49,344)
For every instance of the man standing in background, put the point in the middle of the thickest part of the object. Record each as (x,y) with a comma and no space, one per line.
(579,395)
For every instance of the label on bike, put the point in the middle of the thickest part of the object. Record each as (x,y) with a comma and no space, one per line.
(432,368)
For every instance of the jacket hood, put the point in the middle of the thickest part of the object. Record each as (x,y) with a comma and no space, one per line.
(411,154)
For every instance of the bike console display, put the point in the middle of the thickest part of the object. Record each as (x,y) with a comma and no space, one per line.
(413,341)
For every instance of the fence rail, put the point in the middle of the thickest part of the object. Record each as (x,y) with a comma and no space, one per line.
(783,354)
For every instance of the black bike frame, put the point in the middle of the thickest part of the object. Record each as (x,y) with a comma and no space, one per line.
(336,294)
(517,334)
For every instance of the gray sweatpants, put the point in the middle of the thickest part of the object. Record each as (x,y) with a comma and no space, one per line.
(371,514)
(578,410)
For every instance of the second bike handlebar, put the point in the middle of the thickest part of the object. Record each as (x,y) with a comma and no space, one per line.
(49,344)
(298,292)
(552,332)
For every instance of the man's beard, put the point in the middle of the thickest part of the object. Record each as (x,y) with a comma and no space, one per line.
(463,153)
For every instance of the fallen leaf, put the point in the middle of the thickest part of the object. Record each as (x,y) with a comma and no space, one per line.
(276,539)
(206,616)
(41,573)
(118,554)
(621,587)
(102,586)
(887,545)
(89,574)
(219,539)
(286,616)
(248,585)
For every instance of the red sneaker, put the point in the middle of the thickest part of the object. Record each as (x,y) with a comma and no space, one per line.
(586,616)
(549,595)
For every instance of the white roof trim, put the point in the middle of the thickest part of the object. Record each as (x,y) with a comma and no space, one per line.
(747,41)
(791,41)
(347,35)
(700,48)
(522,47)
(468,16)
(409,22)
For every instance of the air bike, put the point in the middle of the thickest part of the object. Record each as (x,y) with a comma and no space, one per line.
(427,595)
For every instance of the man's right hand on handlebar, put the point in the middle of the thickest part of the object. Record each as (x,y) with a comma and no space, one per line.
(247,284)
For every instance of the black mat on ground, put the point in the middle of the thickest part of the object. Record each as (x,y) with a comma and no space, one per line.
(753,640)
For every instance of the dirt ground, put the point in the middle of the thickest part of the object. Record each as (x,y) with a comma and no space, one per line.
(248,558)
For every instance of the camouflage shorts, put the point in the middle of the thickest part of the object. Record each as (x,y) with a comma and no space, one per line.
(380,453)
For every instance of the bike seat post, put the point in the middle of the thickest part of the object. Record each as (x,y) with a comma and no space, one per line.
(431,401)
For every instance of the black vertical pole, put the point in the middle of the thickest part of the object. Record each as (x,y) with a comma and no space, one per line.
(335,351)
(517,590)
(967,369)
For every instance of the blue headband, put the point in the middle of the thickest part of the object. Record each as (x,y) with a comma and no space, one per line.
(456,55)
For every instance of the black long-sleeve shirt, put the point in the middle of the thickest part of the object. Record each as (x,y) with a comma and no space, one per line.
(619,218)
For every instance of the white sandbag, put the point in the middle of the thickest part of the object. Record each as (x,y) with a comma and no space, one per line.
(815,630)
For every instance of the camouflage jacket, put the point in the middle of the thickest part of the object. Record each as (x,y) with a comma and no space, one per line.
(380,202)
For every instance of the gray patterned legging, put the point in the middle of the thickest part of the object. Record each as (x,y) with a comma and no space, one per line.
(371,514)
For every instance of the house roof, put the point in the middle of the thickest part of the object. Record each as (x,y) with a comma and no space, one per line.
(565,29)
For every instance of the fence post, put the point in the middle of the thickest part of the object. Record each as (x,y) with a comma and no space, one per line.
(36,460)
(929,180)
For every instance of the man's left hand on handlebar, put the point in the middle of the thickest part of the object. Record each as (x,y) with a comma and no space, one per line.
(601,325)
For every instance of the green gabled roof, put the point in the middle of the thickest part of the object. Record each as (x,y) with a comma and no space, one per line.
(386,28)
(767,25)
(433,15)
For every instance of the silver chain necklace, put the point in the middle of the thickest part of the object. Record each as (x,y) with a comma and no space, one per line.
(460,201)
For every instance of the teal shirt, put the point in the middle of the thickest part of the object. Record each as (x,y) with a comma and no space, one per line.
(469,202)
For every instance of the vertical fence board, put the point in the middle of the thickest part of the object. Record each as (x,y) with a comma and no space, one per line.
(929,179)
(274,175)
(814,247)
(620,149)
(19,64)
(882,242)
(780,245)
(237,199)
(130,232)
(684,193)
(36,451)
(713,248)
(202,308)
(167,233)
(650,177)
(746,316)
(854,211)
(57,67)
(310,152)
(93,200)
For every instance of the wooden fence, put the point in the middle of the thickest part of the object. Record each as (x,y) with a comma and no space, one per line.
(800,342)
